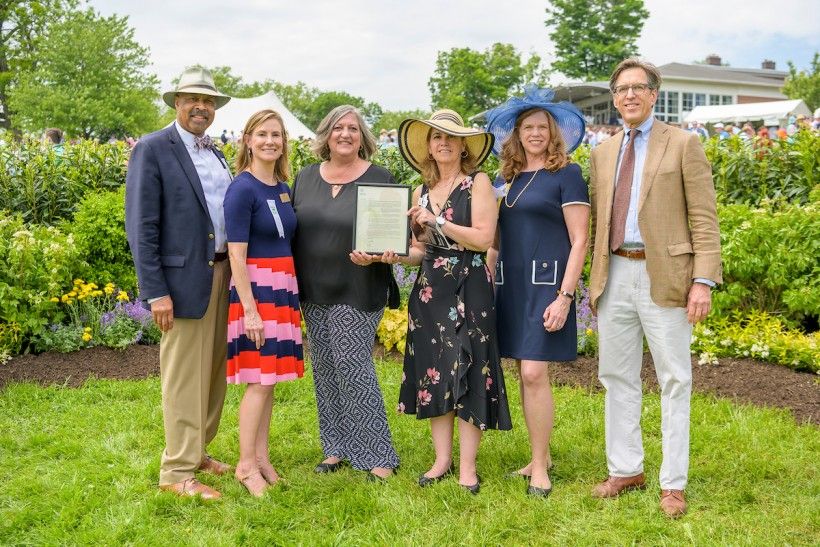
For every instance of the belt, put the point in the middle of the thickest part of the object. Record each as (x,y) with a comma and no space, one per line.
(219,257)
(636,254)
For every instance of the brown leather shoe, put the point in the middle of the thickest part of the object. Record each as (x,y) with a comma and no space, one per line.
(673,503)
(191,487)
(615,486)
(214,467)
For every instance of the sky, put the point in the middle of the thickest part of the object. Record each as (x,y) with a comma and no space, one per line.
(385,51)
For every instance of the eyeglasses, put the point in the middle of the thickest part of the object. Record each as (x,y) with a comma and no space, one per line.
(637,89)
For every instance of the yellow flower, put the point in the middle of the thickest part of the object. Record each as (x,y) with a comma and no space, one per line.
(64,298)
(92,286)
(72,294)
(123,296)
(109,284)
(108,290)
(81,297)
(69,301)
(87,329)
(86,337)
(589,332)
(96,293)
(54,299)
(78,281)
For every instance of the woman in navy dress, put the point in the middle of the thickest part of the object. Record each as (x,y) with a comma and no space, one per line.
(264,323)
(541,246)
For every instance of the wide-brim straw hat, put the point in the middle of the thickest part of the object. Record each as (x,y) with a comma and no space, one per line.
(196,80)
(570,121)
(413,137)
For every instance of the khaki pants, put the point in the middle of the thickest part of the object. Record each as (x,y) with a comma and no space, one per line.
(192,359)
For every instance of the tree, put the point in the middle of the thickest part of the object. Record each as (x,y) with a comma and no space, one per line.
(391,119)
(470,81)
(89,79)
(21,24)
(804,84)
(592,36)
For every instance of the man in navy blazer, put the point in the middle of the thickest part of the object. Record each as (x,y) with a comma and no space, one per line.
(175,185)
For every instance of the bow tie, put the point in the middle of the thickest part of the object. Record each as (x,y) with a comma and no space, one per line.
(203,143)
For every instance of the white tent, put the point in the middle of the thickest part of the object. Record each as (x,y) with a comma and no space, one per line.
(772,113)
(235,114)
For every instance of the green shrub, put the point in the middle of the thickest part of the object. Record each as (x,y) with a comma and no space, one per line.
(757,335)
(751,173)
(770,260)
(45,187)
(98,228)
(35,263)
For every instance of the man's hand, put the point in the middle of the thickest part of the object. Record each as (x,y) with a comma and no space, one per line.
(700,302)
(163,312)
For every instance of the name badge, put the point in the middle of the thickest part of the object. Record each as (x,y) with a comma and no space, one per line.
(276,218)
(284,197)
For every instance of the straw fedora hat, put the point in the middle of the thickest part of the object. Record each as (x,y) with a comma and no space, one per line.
(413,137)
(196,80)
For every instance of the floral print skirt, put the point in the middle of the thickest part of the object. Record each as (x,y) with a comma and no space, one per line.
(451,361)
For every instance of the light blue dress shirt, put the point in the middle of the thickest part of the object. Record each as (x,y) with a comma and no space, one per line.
(215,178)
(632,233)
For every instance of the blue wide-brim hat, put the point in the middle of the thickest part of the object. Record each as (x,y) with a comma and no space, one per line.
(501,119)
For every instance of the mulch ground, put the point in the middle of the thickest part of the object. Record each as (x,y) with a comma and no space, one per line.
(742,380)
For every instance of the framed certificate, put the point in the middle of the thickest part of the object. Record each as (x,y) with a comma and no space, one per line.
(381,222)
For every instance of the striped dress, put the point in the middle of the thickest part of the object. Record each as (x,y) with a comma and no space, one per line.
(262,216)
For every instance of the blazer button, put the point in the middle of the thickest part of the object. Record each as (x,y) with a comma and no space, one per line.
(210,236)
(543,264)
(211,263)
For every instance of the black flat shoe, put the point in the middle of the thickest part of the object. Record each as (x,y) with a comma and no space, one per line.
(473,488)
(424,480)
(372,477)
(329,467)
(536,492)
(515,475)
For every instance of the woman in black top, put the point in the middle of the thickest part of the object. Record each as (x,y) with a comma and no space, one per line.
(343,295)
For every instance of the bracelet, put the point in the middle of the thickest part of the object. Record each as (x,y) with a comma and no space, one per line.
(561,292)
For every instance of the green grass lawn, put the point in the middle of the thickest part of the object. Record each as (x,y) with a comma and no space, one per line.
(79,466)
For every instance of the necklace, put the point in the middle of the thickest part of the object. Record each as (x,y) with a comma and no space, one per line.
(447,195)
(507,201)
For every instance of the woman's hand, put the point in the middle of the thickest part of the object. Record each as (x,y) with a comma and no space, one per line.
(422,216)
(390,257)
(364,259)
(555,316)
(254,328)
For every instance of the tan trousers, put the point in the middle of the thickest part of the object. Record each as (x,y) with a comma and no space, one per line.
(192,360)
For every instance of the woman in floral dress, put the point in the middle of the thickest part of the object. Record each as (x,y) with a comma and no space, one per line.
(452,369)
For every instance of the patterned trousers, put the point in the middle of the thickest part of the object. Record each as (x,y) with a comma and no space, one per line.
(352,420)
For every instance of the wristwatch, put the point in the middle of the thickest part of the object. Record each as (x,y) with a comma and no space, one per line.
(440,220)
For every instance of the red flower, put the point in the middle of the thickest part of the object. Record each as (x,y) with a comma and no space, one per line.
(424,397)
(434,375)
(426,294)
(489,383)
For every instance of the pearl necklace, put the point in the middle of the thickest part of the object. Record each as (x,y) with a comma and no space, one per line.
(506,200)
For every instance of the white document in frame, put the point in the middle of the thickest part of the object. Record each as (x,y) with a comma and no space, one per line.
(276,218)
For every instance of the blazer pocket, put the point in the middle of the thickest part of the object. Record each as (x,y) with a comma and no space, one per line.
(499,272)
(677,249)
(172,261)
(544,272)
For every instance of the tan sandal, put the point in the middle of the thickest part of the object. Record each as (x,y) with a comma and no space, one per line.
(247,482)
(271,476)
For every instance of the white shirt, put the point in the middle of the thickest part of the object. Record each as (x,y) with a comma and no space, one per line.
(215,178)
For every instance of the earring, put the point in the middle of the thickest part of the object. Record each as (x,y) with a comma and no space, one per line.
(464,153)
(429,156)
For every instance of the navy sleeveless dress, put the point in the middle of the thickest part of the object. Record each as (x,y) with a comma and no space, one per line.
(533,256)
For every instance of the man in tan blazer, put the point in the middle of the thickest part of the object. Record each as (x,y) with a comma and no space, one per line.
(656,255)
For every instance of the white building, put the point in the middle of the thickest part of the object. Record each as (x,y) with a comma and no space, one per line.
(683,88)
